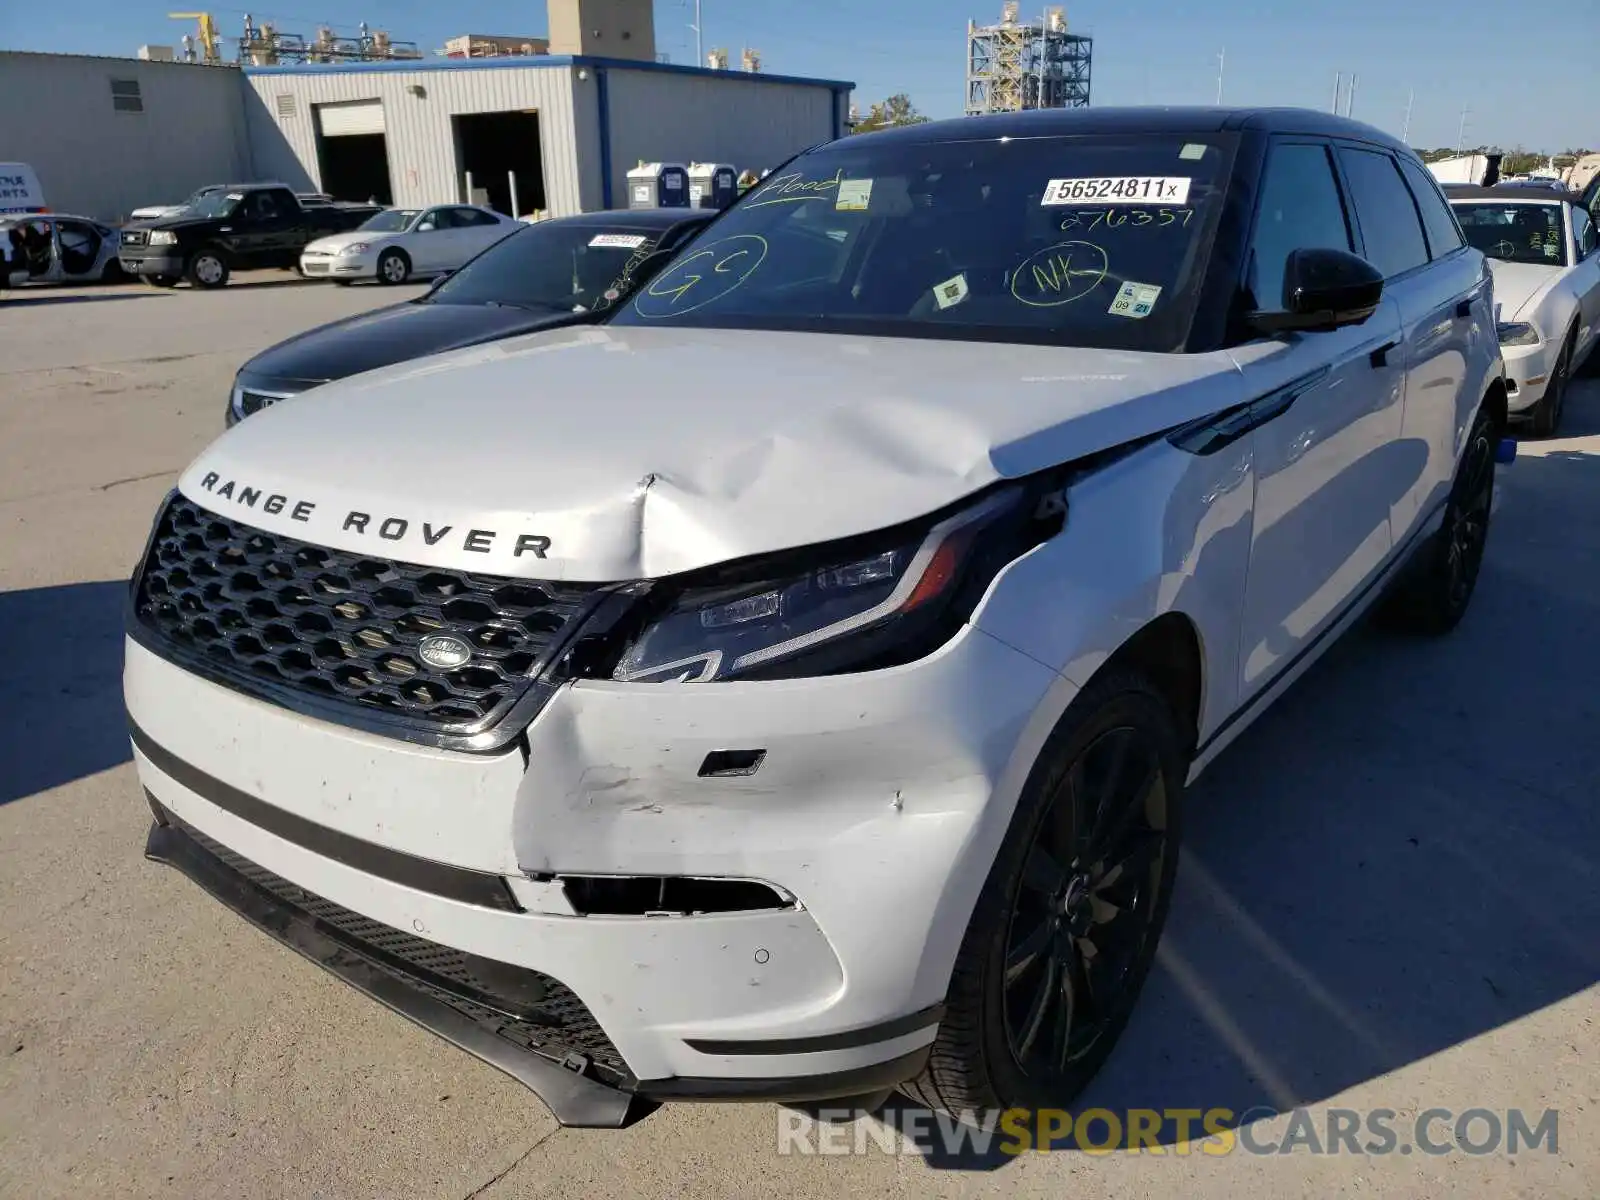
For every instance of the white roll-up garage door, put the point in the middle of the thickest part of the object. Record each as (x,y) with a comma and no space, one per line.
(358,116)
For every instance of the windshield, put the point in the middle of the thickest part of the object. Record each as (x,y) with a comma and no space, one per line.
(391,220)
(215,204)
(1085,241)
(1516,232)
(552,265)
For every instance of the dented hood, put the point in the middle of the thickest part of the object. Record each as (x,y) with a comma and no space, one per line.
(604,454)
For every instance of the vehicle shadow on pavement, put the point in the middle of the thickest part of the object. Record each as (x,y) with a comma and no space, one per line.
(29,300)
(61,714)
(1402,855)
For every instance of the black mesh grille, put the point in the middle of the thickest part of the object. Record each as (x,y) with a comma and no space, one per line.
(266,612)
(526,1007)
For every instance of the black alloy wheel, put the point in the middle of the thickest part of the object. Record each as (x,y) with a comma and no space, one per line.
(1084,912)
(1467,518)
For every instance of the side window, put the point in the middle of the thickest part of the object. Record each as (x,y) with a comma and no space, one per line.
(1443,233)
(433,219)
(1584,233)
(1388,217)
(264,206)
(468,218)
(1300,209)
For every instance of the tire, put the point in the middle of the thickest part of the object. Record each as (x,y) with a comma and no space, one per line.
(161,281)
(1547,413)
(394,267)
(112,272)
(1434,593)
(207,269)
(1031,910)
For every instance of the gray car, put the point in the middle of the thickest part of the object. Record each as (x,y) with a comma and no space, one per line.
(58,248)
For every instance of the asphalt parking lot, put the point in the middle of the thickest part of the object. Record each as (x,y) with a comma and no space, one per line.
(1389,898)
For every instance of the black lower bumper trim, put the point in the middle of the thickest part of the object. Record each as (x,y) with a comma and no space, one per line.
(858,1081)
(868,1035)
(574,1099)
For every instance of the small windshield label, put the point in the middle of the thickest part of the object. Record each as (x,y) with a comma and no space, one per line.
(951,292)
(1118,189)
(855,195)
(1135,300)
(617,241)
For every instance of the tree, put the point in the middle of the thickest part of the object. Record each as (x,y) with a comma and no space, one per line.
(897,110)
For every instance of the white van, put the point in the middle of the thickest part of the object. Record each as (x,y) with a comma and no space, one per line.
(19,189)
(19,193)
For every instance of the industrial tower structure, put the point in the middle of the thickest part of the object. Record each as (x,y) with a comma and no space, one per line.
(1016,65)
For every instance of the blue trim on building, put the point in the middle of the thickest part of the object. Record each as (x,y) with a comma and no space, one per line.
(603,100)
(535,62)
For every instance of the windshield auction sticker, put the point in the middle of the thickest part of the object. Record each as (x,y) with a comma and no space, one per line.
(1135,300)
(855,195)
(1118,189)
(617,241)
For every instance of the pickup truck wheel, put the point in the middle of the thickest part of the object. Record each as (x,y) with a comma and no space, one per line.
(1433,596)
(207,269)
(394,266)
(1066,926)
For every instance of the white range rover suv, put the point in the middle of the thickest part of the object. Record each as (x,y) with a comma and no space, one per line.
(787,688)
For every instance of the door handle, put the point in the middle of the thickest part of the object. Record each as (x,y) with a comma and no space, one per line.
(1380,356)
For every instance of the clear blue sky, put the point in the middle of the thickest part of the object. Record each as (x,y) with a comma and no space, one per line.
(1530,74)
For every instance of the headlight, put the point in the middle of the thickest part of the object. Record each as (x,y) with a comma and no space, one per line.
(866,602)
(356,248)
(163,237)
(1517,333)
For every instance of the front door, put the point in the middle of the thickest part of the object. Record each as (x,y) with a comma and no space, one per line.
(429,244)
(1325,475)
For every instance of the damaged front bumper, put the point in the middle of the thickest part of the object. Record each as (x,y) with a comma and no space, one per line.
(566,1081)
(448,885)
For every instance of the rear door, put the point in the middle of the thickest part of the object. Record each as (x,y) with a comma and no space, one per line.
(1408,231)
(475,230)
(263,228)
(1324,453)
(77,249)
(1444,311)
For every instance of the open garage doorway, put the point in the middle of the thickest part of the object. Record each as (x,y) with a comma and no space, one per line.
(493,147)
(353,151)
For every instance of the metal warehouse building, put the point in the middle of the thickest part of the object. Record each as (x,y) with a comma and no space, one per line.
(566,129)
(109,134)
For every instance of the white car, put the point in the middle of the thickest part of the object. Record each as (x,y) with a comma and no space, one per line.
(787,688)
(401,242)
(1544,250)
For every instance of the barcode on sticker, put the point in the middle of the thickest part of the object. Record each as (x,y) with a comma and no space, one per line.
(1118,189)
(617,241)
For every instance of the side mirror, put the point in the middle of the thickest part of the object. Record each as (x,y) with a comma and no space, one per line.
(1323,290)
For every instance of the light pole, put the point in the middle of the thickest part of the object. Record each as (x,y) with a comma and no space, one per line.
(1222,63)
